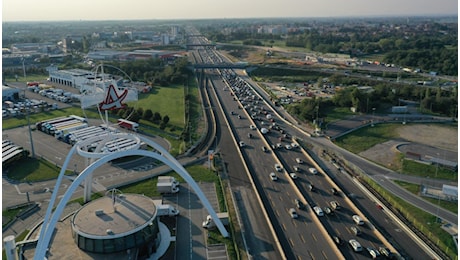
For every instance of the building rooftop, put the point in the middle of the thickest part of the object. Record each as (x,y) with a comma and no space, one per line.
(103,218)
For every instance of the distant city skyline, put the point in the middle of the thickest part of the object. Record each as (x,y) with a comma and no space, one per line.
(52,10)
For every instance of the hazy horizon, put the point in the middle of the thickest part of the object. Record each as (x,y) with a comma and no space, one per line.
(103,10)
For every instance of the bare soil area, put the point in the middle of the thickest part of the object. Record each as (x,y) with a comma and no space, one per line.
(433,135)
(429,136)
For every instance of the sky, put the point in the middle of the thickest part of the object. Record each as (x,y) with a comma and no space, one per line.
(60,10)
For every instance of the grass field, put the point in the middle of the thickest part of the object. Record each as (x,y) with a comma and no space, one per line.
(14,122)
(364,138)
(415,189)
(166,101)
(31,169)
(148,187)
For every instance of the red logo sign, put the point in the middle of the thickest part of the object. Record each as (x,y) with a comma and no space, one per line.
(113,100)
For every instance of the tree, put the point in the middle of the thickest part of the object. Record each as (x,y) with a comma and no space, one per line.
(140,111)
(156,117)
(147,114)
(166,119)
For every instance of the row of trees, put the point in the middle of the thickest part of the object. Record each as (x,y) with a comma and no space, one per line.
(137,114)
(156,71)
(436,100)
(427,52)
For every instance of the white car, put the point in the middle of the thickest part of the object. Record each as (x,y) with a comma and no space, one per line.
(298,160)
(293,213)
(357,219)
(294,145)
(288,147)
(313,170)
(273,176)
(297,168)
(252,127)
(355,245)
(278,168)
(318,211)
(242,144)
(293,175)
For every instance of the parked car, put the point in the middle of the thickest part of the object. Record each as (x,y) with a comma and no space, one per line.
(273,176)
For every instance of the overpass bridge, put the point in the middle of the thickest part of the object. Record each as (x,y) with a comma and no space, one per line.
(201,45)
(219,66)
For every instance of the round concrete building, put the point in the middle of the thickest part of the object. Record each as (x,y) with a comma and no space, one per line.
(117,223)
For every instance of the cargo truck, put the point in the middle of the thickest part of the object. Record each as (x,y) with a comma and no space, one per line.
(59,134)
(168,179)
(167,210)
(164,187)
(133,126)
(209,223)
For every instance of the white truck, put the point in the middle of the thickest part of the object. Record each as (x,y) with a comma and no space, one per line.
(167,184)
(167,210)
(168,179)
(209,223)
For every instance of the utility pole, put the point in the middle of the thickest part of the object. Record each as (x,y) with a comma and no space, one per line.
(30,132)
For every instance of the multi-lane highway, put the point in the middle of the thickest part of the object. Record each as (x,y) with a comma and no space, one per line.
(308,236)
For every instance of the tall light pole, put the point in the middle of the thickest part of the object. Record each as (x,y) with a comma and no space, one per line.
(439,195)
(30,132)
(24,66)
(373,113)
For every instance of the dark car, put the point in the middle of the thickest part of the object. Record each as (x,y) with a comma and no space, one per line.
(334,191)
(298,204)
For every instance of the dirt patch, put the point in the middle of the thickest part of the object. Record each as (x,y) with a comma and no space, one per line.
(433,135)
(438,136)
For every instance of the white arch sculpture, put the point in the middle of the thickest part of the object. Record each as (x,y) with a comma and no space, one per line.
(50,220)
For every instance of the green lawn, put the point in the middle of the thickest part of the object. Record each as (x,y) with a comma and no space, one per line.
(415,189)
(365,138)
(148,187)
(31,169)
(10,123)
(166,101)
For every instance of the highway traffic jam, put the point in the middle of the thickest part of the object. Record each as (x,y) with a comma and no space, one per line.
(315,199)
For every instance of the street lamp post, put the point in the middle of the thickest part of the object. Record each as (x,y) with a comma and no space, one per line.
(30,132)
(439,195)
(373,113)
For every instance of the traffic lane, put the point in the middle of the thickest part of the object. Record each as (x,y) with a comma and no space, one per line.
(395,232)
(281,200)
(323,190)
(292,242)
(284,195)
(257,233)
(374,170)
(387,226)
(280,196)
(338,224)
